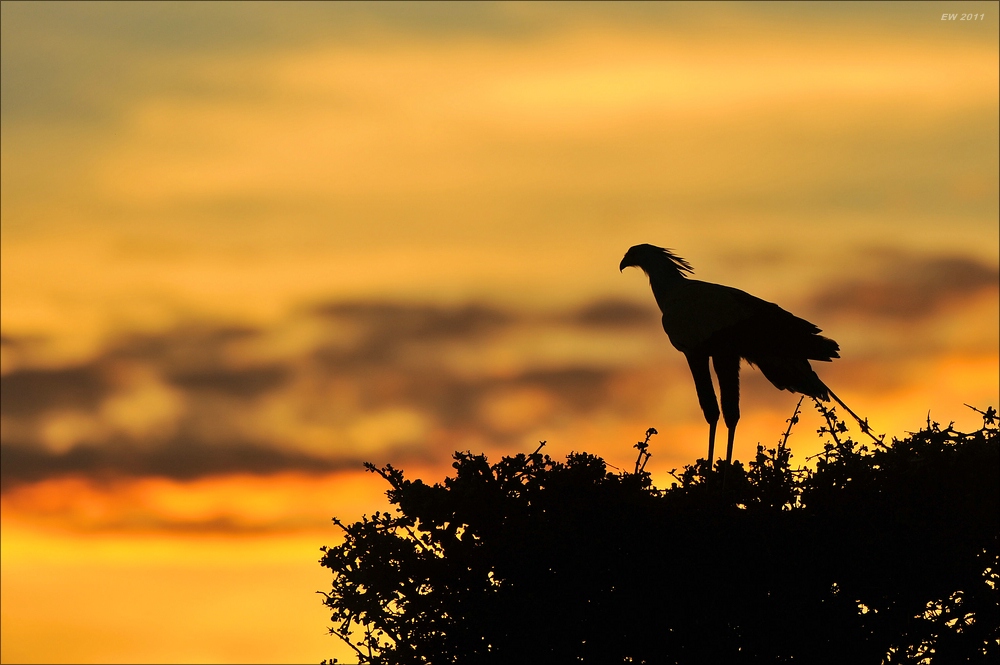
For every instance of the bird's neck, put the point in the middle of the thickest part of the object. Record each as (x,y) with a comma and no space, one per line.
(664,283)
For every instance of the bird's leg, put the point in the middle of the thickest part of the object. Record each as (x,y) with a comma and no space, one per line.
(712,424)
(698,362)
(727,368)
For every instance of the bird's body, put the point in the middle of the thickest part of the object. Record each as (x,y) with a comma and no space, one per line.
(705,320)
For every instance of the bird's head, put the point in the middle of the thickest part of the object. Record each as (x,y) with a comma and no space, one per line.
(654,259)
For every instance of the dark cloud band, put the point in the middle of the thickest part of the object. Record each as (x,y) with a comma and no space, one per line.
(178,460)
(908,288)
(375,358)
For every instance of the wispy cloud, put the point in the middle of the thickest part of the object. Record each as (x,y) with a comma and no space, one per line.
(615,313)
(32,392)
(377,374)
(906,287)
(376,379)
(185,458)
(245,382)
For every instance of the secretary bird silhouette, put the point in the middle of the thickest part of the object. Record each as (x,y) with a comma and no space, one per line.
(706,320)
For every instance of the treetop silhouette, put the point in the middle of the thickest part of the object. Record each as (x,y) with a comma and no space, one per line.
(888,555)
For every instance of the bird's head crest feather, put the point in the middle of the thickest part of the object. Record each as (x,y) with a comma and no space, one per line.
(652,259)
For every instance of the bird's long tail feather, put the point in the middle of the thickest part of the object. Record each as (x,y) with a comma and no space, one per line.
(865,427)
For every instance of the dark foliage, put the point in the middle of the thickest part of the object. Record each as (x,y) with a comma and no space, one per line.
(887,555)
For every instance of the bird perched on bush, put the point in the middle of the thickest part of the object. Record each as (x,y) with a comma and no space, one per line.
(706,320)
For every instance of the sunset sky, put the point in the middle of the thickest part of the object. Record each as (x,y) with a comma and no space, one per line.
(247,247)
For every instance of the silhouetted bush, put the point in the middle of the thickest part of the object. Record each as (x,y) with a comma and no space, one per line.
(886,555)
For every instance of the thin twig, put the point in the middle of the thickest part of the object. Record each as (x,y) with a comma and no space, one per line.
(791,421)
(831,421)
(989,415)
(346,639)
(865,427)
(643,456)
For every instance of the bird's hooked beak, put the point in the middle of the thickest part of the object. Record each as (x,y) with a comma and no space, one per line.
(626,263)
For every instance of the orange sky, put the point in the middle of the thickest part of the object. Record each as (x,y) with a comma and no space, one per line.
(246,247)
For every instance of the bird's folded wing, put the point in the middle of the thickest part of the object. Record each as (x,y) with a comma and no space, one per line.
(695,310)
(720,319)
